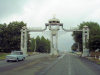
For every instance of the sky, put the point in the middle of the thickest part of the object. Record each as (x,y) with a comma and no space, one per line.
(37,12)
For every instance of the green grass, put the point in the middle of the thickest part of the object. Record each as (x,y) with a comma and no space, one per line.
(30,53)
(3,55)
(98,63)
(95,60)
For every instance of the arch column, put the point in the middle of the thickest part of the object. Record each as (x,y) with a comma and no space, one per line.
(54,47)
(57,40)
(24,40)
(85,38)
(51,44)
(24,37)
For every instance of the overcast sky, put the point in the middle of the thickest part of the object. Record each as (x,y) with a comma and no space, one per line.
(37,12)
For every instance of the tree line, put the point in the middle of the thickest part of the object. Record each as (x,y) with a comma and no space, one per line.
(40,44)
(10,38)
(94,36)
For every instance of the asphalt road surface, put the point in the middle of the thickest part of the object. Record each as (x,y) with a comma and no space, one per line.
(31,66)
(73,65)
(43,64)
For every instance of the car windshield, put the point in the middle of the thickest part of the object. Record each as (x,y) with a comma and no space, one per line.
(16,53)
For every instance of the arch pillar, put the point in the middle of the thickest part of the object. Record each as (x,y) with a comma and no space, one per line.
(85,38)
(54,47)
(24,40)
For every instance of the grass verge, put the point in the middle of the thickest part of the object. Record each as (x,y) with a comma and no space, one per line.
(3,55)
(94,59)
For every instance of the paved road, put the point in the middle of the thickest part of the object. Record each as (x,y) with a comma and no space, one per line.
(43,64)
(30,66)
(73,65)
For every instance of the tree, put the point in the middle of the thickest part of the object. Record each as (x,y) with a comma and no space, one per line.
(48,45)
(42,44)
(2,30)
(38,44)
(74,47)
(11,35)
(32,44)
(42,47)
(45,45)
(94,35)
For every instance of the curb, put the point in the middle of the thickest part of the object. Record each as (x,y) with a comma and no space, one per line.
(85,58)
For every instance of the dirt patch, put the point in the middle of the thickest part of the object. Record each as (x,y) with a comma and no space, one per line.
(96,60)
(93,54)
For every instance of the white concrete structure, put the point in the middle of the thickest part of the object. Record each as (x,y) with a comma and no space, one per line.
(85,41)
(85,38)
(99,57)
(54,26)
(24,32)
(24,40)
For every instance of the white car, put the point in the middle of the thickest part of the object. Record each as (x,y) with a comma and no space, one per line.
(15,56)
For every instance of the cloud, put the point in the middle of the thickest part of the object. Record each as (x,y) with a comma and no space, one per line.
(65,41)
(37,12)
(9,7)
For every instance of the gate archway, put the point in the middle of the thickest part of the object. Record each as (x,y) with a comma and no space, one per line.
(54,26)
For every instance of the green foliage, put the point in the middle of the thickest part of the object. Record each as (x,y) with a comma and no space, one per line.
(42,45)
(32,44)
(74,47)
(94,35)
(10,36)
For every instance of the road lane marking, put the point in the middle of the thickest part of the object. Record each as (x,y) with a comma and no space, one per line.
(52,65)
(61,56)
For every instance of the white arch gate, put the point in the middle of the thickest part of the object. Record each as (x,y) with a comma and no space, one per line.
(54,26)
